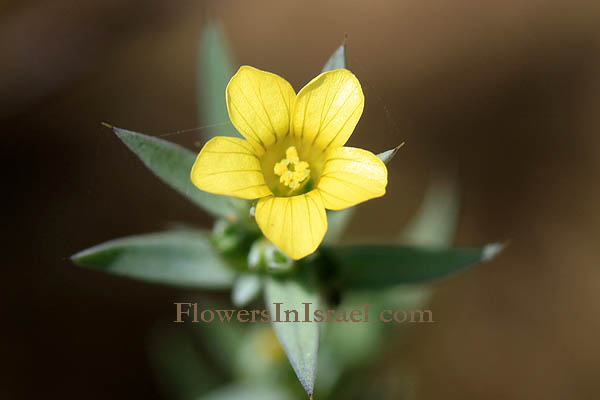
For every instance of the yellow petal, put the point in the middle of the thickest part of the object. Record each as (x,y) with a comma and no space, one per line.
(328,109)
(259,105)
(229,166)
(295,224)
(351,176)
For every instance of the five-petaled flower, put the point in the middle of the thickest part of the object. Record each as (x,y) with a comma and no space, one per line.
(293,159)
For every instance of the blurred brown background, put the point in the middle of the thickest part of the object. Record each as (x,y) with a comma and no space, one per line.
(507,91)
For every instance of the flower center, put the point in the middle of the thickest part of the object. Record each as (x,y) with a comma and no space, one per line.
(291,171)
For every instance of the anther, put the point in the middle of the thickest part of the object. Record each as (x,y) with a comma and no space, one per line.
(290,170)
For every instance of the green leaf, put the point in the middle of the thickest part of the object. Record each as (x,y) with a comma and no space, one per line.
(215,70)
(182,258)
(300,340)
(388,155)
(246,288)
(381,266)
(173,164)
(337,59)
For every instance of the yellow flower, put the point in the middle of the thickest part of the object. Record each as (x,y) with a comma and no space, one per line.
(293,159)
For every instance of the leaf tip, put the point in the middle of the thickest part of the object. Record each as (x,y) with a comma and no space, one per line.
(395,150)
(106,125)
(80,257)
(127,136)
(491,250)
(118,131)
(77,258)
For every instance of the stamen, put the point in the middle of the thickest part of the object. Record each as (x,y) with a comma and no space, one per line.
(291,171)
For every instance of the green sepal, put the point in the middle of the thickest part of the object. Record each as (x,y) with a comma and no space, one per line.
(388,155)
(337,59)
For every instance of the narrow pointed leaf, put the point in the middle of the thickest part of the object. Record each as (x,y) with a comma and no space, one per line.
(182,258)
(215,70)
(300,340)
(337,59)
(381,266)
(173,163)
